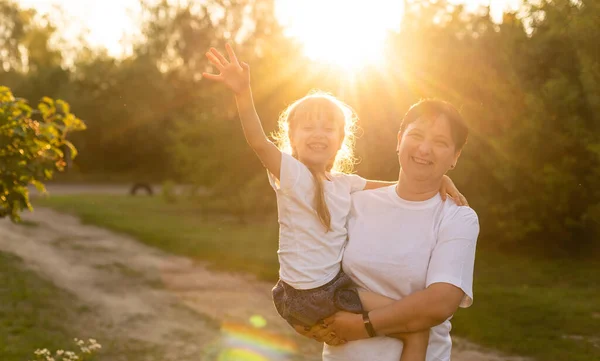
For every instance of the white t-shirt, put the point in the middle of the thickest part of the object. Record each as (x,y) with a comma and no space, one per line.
(309,256)
(397,247)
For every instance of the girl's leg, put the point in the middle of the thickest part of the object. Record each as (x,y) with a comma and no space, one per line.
(414,345)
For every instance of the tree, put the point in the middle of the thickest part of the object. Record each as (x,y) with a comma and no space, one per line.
(14,23)
(550,165)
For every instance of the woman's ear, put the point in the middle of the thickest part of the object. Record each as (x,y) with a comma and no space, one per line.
(456,156)
(399,142)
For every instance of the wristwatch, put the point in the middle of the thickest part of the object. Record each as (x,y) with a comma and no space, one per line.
(368,324)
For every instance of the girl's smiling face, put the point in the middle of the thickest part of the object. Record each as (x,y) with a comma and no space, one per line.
(317,133)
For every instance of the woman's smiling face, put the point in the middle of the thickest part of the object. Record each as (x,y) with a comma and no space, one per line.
(426,149)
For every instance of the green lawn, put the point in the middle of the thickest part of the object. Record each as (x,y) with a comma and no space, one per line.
(34,313)
(201,231)
(546,309)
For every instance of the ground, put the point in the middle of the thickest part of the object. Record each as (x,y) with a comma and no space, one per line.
(169,307)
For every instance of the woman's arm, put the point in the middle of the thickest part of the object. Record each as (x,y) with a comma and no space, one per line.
(417,312)
(327,332)
(322,333)
(371,301)
(236,76)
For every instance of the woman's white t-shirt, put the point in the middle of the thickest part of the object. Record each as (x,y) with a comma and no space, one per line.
(397,247)
(309,256)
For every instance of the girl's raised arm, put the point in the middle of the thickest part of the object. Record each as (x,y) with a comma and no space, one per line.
(236,76)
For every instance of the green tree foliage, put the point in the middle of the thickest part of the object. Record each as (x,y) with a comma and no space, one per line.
(543,161)
(33,146)
(550,165)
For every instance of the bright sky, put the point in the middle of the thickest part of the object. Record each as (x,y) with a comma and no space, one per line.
(352,33)
(106,21)
(109,21)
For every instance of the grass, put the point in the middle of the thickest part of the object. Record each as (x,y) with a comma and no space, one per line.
(33,313)
(197,231)
(546,309)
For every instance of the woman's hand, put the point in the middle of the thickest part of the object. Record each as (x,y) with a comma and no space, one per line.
(232,73)
(448,187)
(347,326)
(320,333)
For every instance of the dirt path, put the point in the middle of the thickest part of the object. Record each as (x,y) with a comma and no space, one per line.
(169,304)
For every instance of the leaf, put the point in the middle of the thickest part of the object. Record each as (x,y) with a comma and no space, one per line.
(39,186)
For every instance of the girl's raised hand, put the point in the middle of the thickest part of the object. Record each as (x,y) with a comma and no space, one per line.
(232,73)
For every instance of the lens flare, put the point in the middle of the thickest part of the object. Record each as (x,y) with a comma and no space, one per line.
(238,354)
(258,321)
(248,343)
(267,343)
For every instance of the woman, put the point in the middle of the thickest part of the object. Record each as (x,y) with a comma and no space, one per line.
(407,244)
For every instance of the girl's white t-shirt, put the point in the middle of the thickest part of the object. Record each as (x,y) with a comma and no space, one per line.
(397,247)
(309,256)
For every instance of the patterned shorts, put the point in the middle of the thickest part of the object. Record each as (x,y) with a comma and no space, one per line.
(308,307)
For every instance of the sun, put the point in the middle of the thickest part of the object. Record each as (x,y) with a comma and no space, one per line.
(349,34)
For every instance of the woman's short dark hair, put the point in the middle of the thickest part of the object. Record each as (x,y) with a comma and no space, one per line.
(432,109)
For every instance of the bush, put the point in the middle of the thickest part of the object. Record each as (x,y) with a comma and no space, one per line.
(33,146)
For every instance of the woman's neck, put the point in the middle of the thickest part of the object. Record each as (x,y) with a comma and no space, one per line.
(413,190)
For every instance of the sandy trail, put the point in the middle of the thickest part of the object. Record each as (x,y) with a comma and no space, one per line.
(169,304)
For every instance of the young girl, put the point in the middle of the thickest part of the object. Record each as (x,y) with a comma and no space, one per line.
(308,170)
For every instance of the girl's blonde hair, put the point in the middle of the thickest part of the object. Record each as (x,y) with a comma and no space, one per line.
(319,102)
